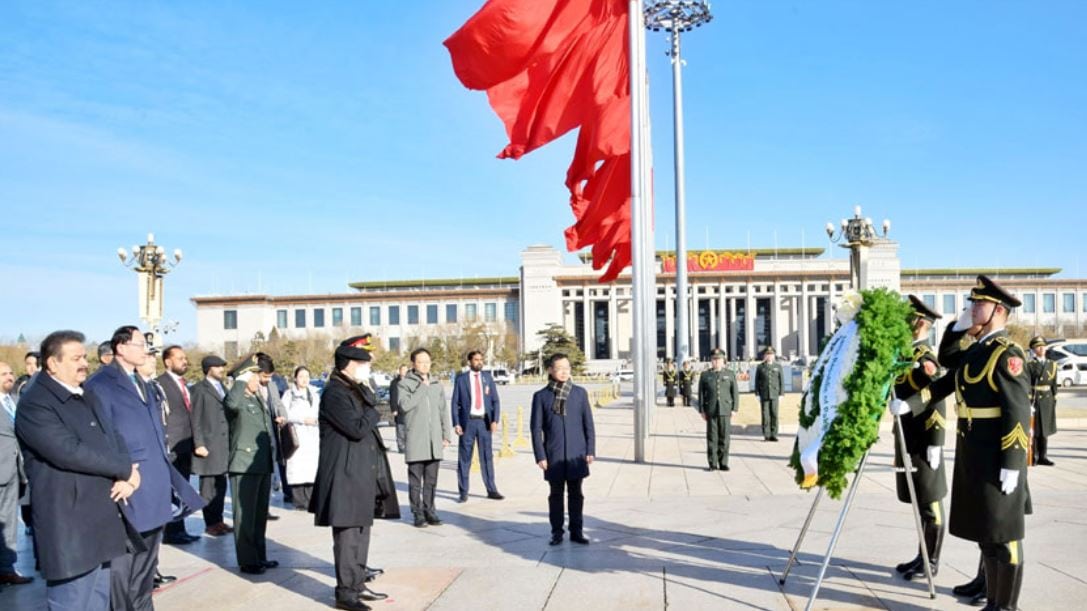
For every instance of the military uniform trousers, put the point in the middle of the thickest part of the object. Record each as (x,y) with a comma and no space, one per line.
(249,496)
(769,418)
(351,550)
(718,435)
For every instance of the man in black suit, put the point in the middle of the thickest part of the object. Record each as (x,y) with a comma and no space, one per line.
(211,441)
(79,469)
(178,429)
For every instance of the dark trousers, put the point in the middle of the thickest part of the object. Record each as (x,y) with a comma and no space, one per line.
(132,576)
(671,396)
(350,548)
(1041,445)
(213,490)
(287,498)
(718,434)
(769,418)
(249,496)
(401,437)
(422,480)
(475,430)
(87,592)
(9,522)
(301,493)
(576,505)
(183,464)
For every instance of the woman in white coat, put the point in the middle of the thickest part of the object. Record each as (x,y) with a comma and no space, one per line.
(301,401)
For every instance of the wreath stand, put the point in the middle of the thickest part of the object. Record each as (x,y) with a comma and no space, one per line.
(908,468)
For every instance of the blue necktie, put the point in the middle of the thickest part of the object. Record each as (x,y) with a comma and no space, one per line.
(9,405)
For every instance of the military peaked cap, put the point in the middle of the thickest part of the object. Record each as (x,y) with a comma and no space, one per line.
(921,310)
(987,290)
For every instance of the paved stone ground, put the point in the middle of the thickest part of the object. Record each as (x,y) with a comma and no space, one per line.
(664,535)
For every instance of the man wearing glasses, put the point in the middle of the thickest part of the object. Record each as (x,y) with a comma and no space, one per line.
(134,409)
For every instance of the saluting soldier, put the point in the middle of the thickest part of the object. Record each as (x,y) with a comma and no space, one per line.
(718,397)
(686,381)
(769,386)
(924,435)
(1043,381)
(669,377)
(989,493)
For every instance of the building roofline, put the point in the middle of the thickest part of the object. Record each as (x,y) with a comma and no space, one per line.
(442,283)
(586,257)
(347,298)
(988,271)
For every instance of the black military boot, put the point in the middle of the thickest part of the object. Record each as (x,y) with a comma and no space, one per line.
(934,540)
(992,582)
(906,567)
(1005,597)
(975,586)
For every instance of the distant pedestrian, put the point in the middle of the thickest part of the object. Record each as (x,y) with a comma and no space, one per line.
(398,416)
(564,444)
(31,364)
(301,402)
(105,354)
(12,476)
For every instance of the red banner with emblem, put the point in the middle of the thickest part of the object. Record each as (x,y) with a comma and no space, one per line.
(712,261)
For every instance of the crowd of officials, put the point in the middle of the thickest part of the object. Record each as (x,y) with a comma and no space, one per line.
(120,448)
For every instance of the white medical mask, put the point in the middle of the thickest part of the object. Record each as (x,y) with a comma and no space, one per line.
(362,372)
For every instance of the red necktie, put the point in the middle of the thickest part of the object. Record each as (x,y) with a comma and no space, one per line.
(479,391)
(184,393)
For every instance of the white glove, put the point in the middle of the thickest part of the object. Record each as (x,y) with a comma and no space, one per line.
(934,457)
(1009,480)
(965,321)
(899,407)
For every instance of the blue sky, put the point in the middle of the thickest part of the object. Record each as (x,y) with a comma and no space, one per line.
(289,148)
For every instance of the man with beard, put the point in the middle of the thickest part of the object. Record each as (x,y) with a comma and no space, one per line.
(476,412)
(178,429)
(211,441)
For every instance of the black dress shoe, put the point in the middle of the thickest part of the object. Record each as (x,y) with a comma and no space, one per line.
(161,579)
(978,599)
(270,564)
(433,520)
(178,539)
(462,498)
(495,496)
(1045,462)
(555,540)
(352,605)
(272,518)
(711,468)
(374,571)
(582,539)
(369,595)
(252,569)
(725,468)
(420,522)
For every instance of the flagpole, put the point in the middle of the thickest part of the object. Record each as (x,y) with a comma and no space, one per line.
(638,227)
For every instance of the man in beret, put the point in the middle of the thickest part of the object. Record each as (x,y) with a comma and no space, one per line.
(989,493)
(345,488)
(211,442)
(1043,380)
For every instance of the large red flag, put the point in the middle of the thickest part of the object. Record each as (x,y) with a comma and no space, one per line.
(551,66)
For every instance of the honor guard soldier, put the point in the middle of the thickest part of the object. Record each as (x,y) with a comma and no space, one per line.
(989,493)
(769,386)
(670,378)
(686,381)
(1043,382)
(924,436)
(718,397)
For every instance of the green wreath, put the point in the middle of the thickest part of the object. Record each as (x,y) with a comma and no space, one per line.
(884,334)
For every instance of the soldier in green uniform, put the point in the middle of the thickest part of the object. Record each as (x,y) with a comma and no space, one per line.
(989,493)
(251,460)
(769,386)
(718,397)
(686,381)
(1043,381)
(669,377)
(924,435)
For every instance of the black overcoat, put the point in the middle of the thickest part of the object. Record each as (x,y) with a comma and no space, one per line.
(210,429)
(563,441)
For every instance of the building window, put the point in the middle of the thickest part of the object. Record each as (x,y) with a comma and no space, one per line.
(490,312)
(394,344)
(949,304)
(230,319)
(432,314)
(319,317)
(356,317)
(413,315)
(450,312)
(511,311)
(337,317)
(375,316)
(930,301)
(1030,303)
(394,315)
(1069,302)
(1049,303)
(299,319)
(281,319)
(470,312)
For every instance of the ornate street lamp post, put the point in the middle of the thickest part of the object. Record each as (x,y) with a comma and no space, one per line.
(149,261)
(856,234)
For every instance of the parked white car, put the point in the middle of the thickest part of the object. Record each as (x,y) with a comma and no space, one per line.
(1071,372)
(501,376)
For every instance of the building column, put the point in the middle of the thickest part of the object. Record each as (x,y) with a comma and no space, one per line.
(830,306)
(803,325)
(733,349)
(669,321)
(613,322)
(587,318)
(749,323)
(692,313)
(722,320)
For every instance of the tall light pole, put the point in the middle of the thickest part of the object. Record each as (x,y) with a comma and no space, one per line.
(675,17)
(856,234)
(149,261)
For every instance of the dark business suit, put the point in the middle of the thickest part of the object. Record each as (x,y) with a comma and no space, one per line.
(178,436)
(134,408)
(475,427)
(250,467)
(211,431)
(564,441)
(73,456)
